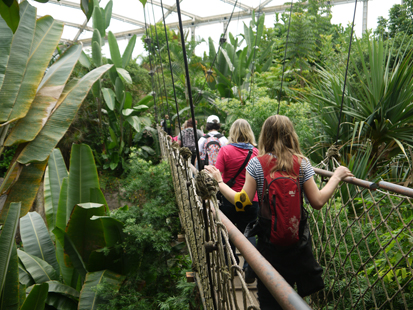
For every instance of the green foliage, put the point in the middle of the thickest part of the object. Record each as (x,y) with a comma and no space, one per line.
(380,270)
(263,107)
(151,226)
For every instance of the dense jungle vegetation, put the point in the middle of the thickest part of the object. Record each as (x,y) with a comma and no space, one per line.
(79,127)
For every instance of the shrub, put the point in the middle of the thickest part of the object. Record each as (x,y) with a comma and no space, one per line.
(157,262)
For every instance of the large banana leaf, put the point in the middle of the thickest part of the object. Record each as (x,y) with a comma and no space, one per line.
(62,217)
(10,297)
(113,229)
(71,257)
(86,235)
(25,189)
(58,123)
(24,277)
(83,176)
(39,270)
(65,271)
(59,288)
(46,37)
(60,302)
(18,60)
(48,93)
(127,54)
(114,50)
(88,296)
(48,203)
(7,239)
(36,298)
(10,13)
(6,36)
(36,239)
(57,172)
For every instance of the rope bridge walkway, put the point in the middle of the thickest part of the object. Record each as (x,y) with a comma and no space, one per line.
(362,238)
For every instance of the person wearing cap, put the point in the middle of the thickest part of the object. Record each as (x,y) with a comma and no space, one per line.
(212,126)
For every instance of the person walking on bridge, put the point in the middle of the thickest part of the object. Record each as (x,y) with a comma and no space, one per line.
(279,175)
(232,160)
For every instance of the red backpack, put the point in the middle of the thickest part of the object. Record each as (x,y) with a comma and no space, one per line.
(281,211)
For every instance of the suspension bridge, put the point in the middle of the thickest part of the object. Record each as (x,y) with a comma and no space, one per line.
(360,238)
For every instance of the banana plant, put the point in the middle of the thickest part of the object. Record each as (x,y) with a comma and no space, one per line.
(36,108)
(81,228)
(9,11)
(235,67)
(119,116)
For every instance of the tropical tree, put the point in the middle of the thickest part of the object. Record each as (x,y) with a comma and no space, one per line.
(379,112)
(38,106)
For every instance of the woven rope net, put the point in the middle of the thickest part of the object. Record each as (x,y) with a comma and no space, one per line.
(362,238)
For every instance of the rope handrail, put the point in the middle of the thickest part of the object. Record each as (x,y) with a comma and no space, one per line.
(363,239)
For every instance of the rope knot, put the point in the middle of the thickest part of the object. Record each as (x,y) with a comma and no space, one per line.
(206,186)
(175,145)
(333,151)
(185,153)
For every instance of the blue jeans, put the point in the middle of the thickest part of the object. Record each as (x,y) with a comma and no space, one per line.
(240,219)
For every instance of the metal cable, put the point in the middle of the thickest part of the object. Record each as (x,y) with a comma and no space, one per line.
(285,57)
(150,64)
(216,54)
(160,60)
(157,75)
(345,76)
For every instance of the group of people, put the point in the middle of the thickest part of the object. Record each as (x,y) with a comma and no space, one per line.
(262,194)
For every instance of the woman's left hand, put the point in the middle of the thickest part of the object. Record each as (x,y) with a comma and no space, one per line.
(215,173)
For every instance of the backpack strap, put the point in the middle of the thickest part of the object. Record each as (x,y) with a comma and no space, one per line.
(212,142)
(231,182)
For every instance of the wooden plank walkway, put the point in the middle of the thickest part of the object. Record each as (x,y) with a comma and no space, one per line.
(252,287)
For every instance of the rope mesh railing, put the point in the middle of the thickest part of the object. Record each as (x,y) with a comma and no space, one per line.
(362,238)
(216,286)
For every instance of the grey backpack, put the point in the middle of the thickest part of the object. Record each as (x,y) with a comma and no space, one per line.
(188,139)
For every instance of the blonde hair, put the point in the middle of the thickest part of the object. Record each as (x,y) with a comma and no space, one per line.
(279,138)
(241,131)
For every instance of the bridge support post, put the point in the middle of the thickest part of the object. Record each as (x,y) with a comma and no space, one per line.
(193,32)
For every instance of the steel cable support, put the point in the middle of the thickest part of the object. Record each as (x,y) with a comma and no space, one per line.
(345,76)
(285,57)
(160,60)
(172,74)
(216,54)
(148,42)
(155,70)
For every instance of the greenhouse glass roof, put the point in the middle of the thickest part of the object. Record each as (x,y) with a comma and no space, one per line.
(205,17)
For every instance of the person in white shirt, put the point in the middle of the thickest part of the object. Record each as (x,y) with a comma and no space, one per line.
(212,126)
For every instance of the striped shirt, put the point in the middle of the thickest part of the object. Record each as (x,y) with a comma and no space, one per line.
(254,168)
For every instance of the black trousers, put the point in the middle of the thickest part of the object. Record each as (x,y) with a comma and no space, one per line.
(240,219)
(297,266)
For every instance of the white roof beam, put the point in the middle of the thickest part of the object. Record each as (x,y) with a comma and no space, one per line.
(70,24)
(168,12)
(215,19)
(242,6)
(75,5)
(262,5)
(172,8)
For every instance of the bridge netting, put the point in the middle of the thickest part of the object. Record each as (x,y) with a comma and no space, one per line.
(362,238)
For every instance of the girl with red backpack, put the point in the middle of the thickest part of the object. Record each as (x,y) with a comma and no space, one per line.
(279,175)
(232,160)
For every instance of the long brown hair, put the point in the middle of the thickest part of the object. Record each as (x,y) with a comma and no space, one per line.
(279,138)
(241,131)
